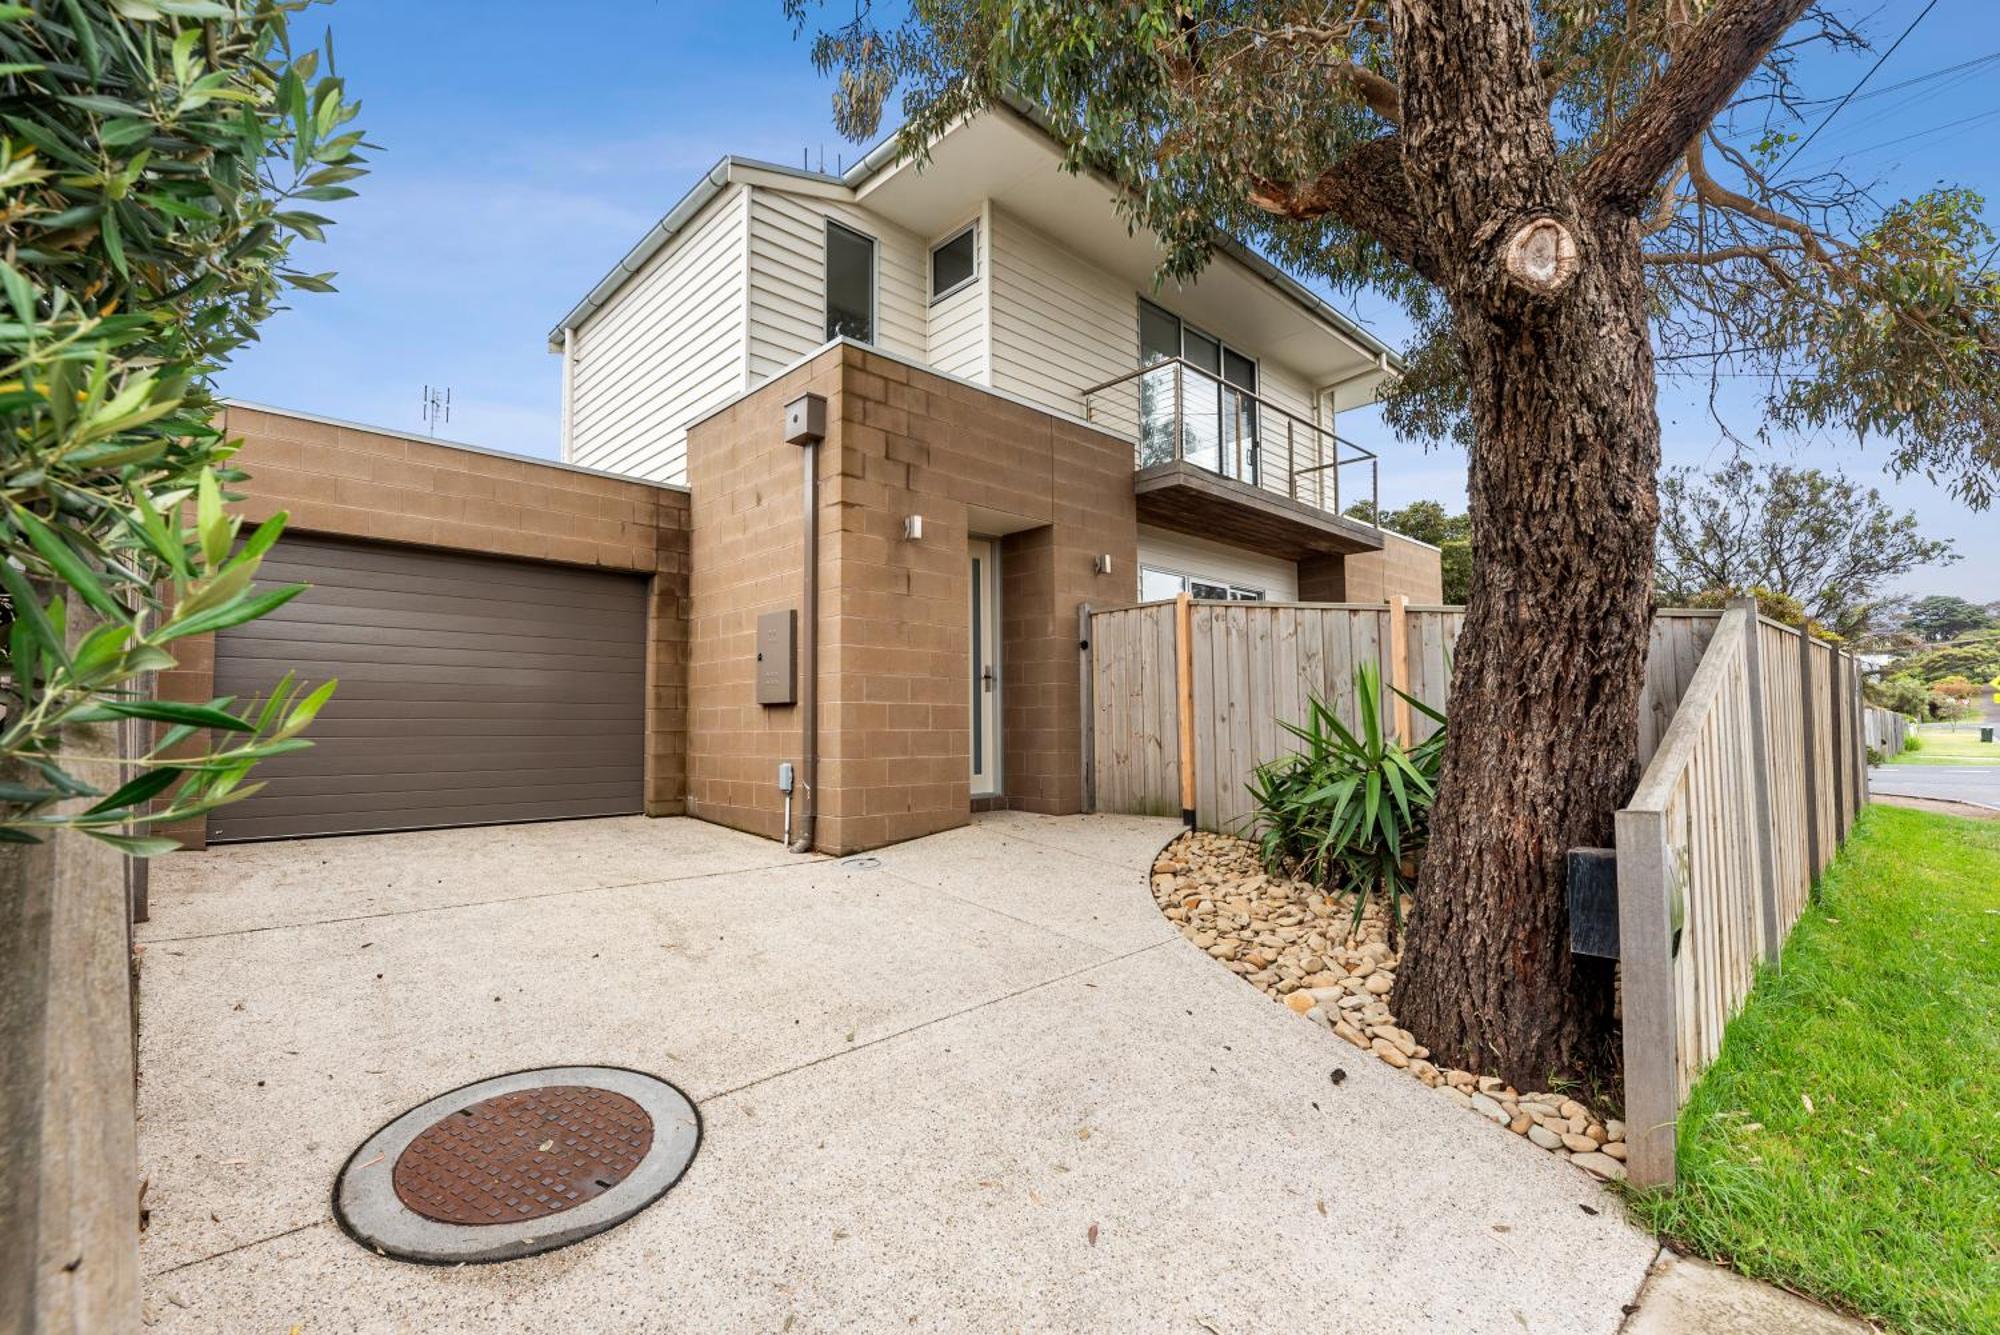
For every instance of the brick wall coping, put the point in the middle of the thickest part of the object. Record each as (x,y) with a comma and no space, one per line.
(915,365)
(250,407)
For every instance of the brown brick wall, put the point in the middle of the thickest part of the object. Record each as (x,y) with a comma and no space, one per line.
(1402,566)
(346,481)
(895,645)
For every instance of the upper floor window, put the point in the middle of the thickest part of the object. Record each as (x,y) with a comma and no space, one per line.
(954,262)
(850,284)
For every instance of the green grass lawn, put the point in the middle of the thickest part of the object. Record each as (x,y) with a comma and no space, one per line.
(1847,1142)
(1949,744)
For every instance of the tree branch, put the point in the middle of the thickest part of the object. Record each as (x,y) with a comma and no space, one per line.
(1705,71)
(1365,189)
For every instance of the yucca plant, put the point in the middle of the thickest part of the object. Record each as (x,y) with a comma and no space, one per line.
(1350,810)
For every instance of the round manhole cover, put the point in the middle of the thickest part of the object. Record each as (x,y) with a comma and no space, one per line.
(518,1164)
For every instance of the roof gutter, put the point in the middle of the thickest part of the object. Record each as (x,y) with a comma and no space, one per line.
(706,189)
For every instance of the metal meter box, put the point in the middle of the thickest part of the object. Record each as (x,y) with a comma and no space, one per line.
(805,420)
(778,658)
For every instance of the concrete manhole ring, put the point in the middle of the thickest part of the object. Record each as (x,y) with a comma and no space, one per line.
(517,1164)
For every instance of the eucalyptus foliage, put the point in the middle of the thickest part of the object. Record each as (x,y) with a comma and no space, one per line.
(1349,809)
(1853,312)
(157,160)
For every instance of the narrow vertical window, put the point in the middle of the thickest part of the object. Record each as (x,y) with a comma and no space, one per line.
(954,263)
(850,284)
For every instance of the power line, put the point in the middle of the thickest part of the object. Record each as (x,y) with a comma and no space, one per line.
(1962,66)
(1800,146)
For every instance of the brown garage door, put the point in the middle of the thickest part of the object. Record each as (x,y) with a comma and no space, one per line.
(473,690)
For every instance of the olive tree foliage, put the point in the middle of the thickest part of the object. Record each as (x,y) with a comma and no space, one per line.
(1278,121)
(158,158)
(1821,538)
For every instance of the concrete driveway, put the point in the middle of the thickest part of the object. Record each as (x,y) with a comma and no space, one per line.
(926,1077)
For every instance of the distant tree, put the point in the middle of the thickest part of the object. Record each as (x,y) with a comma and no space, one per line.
(1821,538)
(1429,521)
(1944,617)
(1905,694)
(1951,698)
(1974,655)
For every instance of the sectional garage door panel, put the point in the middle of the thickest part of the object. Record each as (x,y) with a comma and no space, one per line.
(473,690)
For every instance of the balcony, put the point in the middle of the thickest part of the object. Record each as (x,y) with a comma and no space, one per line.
(1217,461)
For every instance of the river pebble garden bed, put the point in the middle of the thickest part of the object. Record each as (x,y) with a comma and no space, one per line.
(1295,944)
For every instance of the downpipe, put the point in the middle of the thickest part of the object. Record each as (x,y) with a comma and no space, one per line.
(805,423)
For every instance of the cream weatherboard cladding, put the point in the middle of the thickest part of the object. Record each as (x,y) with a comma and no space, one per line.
(738,294)
(958,324)
(788,280)
(667,348)
(1061,325)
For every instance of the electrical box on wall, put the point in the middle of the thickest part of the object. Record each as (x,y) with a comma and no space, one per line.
(778,658)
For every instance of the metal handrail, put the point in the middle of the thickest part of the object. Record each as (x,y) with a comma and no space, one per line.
(1181,366)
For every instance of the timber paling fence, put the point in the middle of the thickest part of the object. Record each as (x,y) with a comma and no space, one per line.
(1886,732)
(1752,737)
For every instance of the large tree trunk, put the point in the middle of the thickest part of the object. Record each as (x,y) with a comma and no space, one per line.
(1545,693)
(1549,300)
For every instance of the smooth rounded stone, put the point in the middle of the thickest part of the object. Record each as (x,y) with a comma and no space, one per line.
(1614,1148)
(1537,1108)
(1332,994)
(1544,1137)
(1600,1165)
(1379,984)
(1457,1096)
(1350,1033)
(1615,1129)
(1484,1105)
(1519,1125)
(1489,1083)
(1459,1079)
(1224,950)
(1352,1002)
(1571,1108)
(1388,1052)
(1596,1133)
(1300,1002)
(1423,1070)
(1579,1144)
(1365,969)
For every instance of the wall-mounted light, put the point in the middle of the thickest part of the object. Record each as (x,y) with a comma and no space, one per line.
(1102,564)
(913,528)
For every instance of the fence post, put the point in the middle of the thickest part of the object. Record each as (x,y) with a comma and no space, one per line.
(1857,707)
(1836,710)
(1184,689)
(1762,823)
(1809,772)
(1086,693)
(1399,663)
(1646,976)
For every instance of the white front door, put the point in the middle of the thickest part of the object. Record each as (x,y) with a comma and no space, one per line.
(985,612)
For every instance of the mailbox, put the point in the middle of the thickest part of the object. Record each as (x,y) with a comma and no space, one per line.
(778,658)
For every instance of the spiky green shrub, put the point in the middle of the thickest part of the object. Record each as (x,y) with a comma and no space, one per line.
(1349,810)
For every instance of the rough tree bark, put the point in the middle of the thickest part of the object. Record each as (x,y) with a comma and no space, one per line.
(1544,277)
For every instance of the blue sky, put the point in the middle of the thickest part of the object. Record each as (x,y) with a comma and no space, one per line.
(525,147)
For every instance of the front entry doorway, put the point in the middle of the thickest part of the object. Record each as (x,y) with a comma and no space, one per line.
(984,555)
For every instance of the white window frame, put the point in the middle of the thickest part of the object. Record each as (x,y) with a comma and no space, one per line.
(930,260)
(1237,593)
(874,279)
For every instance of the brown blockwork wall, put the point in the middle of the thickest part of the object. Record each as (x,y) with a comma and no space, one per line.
(1412,569)
(346,481)
(894,622)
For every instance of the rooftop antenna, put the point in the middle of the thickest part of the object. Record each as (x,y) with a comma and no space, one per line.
(437,407)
